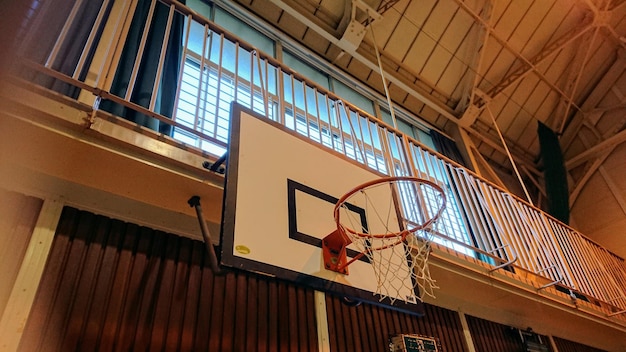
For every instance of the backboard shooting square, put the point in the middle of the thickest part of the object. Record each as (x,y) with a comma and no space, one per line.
(280,192)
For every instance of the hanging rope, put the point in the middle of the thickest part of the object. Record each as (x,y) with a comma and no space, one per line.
(508,153)
(382,76)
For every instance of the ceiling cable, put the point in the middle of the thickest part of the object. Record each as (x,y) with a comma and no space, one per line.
(508,153)
(382,75)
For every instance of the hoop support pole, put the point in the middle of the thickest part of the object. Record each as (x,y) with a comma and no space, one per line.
(194,202)
(334,248)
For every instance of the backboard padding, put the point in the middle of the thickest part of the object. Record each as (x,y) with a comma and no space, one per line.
(279,195)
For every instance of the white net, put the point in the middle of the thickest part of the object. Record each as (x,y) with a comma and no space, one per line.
(395,237)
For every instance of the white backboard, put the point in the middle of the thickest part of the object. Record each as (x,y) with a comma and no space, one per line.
(279,196)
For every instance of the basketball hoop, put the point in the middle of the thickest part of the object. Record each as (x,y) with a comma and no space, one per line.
(392,232)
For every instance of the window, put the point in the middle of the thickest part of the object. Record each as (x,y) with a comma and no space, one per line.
(227,72)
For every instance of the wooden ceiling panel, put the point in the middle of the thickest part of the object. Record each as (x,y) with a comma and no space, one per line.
(550,112)
(499,8)
(417,11)
(537,93)
(529,36)
(523,90)
(440,19)
(269,12)
(565,15)
(501,64)
(359,70)
(292,26)
(335,10)
(618,19)
(600,60)
(596,193)
(454,77)
(454,40)
(435,66)
(385,28)
(425,111)
(506,115)
(484,82)
(510,21)
(615,165)
(401,40)
(315,42)
(418,53)
(523,123)
(543,32)
(554,68)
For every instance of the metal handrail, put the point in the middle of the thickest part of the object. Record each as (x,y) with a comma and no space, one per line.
(493,233)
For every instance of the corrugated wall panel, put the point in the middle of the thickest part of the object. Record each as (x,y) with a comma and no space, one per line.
(568,346)
(110,285)
(489,336)
(369,327)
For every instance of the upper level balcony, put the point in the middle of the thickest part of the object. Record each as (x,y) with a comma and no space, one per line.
(116,108)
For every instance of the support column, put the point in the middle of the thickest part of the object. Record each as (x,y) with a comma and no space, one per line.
(31,270)
(321,318)
(466,333)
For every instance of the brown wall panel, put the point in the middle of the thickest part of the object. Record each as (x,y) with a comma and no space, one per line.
(112,286)
(569,346)
(493,337)
(368,327)
(489,336)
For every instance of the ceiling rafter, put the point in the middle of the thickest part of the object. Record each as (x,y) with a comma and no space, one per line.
(597,166)
(513,51)
(610,142)
(522,71)
(604,85)
(578,66)
(602,18)
(575,192)
(615,191)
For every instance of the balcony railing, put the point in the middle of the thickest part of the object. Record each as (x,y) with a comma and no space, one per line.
(214,68)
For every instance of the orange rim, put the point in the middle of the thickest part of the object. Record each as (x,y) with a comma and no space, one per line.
(401,234)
